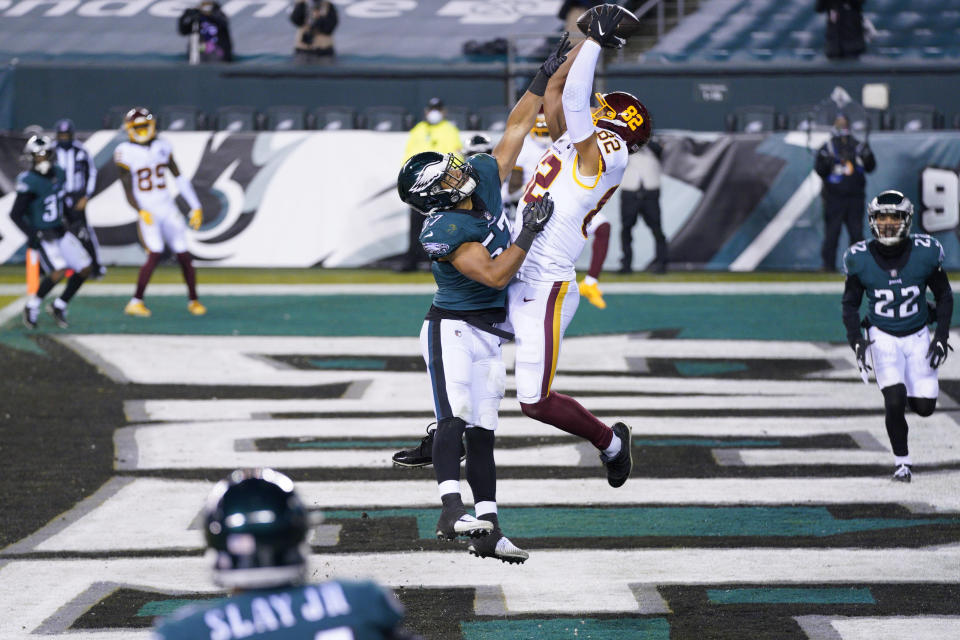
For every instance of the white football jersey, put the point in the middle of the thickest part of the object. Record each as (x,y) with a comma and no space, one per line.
(150,174)
(530,153)
(577,199)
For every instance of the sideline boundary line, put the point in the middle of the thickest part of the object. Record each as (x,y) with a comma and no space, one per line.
(656,288)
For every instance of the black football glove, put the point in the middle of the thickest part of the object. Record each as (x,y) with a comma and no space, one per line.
(860,349)
(937,353)
(602,27)
(537,212)
(557,56)
(535,216)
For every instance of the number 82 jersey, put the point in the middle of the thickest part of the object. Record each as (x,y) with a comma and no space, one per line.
(896,297)
(577,199)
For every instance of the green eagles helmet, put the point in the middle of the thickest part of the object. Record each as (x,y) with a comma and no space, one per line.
(256,528)
(890,203)
(431,181)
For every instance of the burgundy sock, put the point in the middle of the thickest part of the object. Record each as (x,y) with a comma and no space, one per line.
(189,273)
(601,241)
(567,414)
(153,259)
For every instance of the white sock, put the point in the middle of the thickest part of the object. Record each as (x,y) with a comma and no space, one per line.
(614,448)
(899,460)
(449,486)
(33,302)
(60,304)
(589,280)
(484,507)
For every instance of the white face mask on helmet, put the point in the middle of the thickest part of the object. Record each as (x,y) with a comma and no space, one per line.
(434,116)
(890,204)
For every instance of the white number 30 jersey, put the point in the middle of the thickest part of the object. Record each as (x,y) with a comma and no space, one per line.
(149,172)
(577,199)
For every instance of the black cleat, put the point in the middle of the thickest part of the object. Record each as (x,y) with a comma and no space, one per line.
(902,473)
(618,468)
(30,317)
(422,454)
(496,545)
(59,315)
(455,522)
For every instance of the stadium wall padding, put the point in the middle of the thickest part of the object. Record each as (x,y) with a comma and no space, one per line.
(737,202)
(691,97)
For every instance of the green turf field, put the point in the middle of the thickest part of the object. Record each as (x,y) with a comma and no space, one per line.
(13,274)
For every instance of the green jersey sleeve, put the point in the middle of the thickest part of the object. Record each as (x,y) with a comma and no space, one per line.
(443,233)
(854,257)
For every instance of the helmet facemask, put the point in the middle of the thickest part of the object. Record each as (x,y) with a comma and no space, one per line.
(625,116)
(890,215)
(142,131)
(140,124)
(38,154)
(442,184)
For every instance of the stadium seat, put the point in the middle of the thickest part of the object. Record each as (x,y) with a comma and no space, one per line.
(492,118)
(285,118)
(113,118)
(461,117)
(330,118)
(181,118)
(387,118)
(237,118)
(732,31)
(800,117)
(914,117)
(752,119)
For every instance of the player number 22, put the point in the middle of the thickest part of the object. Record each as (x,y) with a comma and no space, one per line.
(884,306)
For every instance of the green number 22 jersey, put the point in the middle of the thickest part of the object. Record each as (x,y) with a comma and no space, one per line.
(896,297)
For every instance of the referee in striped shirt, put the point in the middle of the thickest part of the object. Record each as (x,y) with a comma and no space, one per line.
(81,182)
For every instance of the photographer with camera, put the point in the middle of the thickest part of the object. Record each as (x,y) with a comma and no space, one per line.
(209,31)
(316,21)
(842,163)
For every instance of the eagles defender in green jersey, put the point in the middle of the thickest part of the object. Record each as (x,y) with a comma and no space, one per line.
(38,212)
(467,237)
(255,527)
(894,270)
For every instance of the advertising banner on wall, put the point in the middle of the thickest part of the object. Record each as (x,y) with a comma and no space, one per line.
(328,198)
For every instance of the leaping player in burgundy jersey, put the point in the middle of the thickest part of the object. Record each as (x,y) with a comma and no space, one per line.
(582,170)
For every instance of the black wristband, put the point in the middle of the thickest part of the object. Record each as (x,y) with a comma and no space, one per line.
(525,239)
(539,85)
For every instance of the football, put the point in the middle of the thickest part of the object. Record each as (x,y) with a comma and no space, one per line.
(628,26)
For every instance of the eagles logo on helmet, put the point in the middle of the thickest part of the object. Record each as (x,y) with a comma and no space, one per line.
(39,154)
(140,125)
(256,527)
(431,181)
(893,204)
(625,116)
